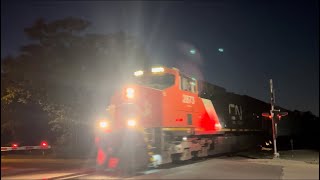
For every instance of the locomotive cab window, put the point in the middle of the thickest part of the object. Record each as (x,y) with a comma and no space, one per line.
(157,81)
(188,84)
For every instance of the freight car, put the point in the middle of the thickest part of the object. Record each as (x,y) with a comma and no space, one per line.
(166,116)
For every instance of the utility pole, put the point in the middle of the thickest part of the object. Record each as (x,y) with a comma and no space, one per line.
(274,125)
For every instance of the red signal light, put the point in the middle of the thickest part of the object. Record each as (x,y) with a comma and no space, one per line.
(44,144)
(283,113)
(267,115)
(14,145)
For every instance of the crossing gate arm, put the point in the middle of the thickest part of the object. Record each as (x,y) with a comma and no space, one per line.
(24,148)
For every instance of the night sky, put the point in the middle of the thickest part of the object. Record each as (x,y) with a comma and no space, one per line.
(261,39)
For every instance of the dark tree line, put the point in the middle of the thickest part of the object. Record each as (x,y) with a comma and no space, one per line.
(66,73)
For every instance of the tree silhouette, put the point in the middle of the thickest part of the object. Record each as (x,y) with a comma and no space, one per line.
(69,73)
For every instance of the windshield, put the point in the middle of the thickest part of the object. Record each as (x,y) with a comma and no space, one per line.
(157,81)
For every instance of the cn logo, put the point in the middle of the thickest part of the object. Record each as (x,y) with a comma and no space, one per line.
(235,111)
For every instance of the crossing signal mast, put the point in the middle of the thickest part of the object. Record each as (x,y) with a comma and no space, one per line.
(275,115)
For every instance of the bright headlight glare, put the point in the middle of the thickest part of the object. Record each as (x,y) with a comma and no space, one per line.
(130,93)
(103,124)
(132,123)
(157,69)
(138,73)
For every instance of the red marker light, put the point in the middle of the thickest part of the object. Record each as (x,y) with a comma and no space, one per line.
(267,115)
(44,144)
(14,145)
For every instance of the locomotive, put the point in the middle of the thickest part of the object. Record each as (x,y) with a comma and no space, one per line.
(166,116)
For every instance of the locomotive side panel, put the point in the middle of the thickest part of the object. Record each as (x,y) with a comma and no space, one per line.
(235,111)
(255,108)
(228,106)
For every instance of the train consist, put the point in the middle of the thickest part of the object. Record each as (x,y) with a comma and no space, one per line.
(165,116)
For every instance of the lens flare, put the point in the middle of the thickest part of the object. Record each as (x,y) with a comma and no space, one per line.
(132,123)
(130,93)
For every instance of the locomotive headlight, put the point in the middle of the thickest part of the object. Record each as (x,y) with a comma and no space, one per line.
(103,124)
(130,93)
(131,123)
(157,69)
(138,73)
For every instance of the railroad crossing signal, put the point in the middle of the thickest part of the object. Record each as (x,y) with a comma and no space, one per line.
(267,115)
(276,114)
(44,145)
(279,115)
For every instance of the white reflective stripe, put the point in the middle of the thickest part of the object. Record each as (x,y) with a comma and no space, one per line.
(210,109)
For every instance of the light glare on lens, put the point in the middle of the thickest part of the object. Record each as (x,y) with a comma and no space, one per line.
(103,124)
(157,69)
(132,123)
(138,73)
(130,93)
